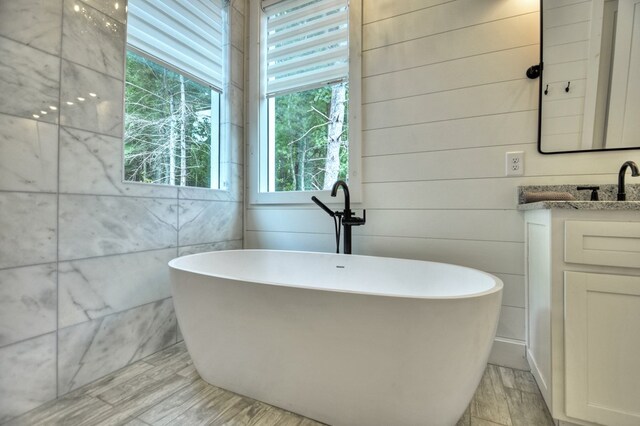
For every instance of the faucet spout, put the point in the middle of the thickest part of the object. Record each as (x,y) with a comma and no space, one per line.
(347,199)
(622,196)
(343,219)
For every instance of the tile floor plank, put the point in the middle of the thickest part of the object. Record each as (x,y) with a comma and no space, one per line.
(116,378)
(144,383)
(268,416)
(166,355)
(135,422)
(528,409)
(67,410)
(232,412)
(481,422)
(165,389)
(525,381)
(508,377)
(209,409)
(141,402)
(189,371)
(244,417)
(168,409)
(309,422)
(490,400)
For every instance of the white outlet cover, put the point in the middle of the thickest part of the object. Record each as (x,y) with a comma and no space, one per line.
(514,163)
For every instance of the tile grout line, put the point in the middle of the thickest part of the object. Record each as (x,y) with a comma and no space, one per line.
(56,261)
(117,313)
(129,196)
(57,357)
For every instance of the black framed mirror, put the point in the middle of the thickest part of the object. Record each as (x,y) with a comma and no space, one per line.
(589,63)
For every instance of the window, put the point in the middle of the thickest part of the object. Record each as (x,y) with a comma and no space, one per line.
(306,136)
(173,91)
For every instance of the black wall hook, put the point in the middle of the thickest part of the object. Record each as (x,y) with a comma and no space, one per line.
(566,89)
(546,90)
(533,72)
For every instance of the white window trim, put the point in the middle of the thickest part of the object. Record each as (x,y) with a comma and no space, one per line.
(257,112)
(224,188)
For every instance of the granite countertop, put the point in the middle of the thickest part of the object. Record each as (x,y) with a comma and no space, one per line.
(608,194)
(582,205)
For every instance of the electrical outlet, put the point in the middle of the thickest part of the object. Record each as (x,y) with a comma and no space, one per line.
(514,164)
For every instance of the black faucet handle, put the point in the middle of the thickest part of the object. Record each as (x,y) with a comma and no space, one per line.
(593,189)
(356,221)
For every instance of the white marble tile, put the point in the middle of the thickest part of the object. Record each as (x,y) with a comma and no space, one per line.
(117,9)
(93,288)
(27,302)
(90,350)
(236,105)
(93,39)
(36,23)
(93,226)
(28,155)
(203,248)
(237,67)
(29,81)
(232,149)
(28,376)
(91,163)
(101,113)
(27,229)
(240,5)
(204,222)
(236,30)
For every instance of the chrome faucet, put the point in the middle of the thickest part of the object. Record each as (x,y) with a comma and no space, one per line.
(622,196)
(343,218)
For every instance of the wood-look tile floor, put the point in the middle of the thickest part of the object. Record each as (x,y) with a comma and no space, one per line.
(165,389)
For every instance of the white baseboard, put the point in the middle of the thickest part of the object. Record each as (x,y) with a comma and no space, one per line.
(509,353)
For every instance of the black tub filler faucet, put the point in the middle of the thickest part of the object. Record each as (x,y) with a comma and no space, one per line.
(343,218)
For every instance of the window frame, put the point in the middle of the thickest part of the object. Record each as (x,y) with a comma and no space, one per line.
(223,153)
(257,128)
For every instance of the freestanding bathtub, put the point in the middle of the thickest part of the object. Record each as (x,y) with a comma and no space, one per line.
(345,340)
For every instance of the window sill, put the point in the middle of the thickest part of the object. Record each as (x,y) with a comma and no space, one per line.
(303,197)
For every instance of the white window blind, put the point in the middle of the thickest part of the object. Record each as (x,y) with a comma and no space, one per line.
(307,44)
(185,34)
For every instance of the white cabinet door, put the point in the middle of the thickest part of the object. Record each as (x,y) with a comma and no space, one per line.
(602,348)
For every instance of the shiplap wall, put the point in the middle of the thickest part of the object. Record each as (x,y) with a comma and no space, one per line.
(444,97)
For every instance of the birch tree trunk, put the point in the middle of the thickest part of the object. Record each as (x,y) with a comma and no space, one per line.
(302,162)
(183,135)
(334,134)
(172,142)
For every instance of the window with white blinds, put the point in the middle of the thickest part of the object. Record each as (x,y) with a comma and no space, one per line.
(184,34)
(307,44)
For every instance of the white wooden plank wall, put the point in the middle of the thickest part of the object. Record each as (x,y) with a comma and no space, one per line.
(444,97)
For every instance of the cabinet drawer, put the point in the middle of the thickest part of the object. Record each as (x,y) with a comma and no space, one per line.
(602,243)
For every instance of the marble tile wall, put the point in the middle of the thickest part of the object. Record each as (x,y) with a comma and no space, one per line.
(84,286)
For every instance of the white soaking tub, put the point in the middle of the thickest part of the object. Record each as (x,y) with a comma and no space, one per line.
(342,339)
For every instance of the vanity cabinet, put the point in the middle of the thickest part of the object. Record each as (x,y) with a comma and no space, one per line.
(583,331)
